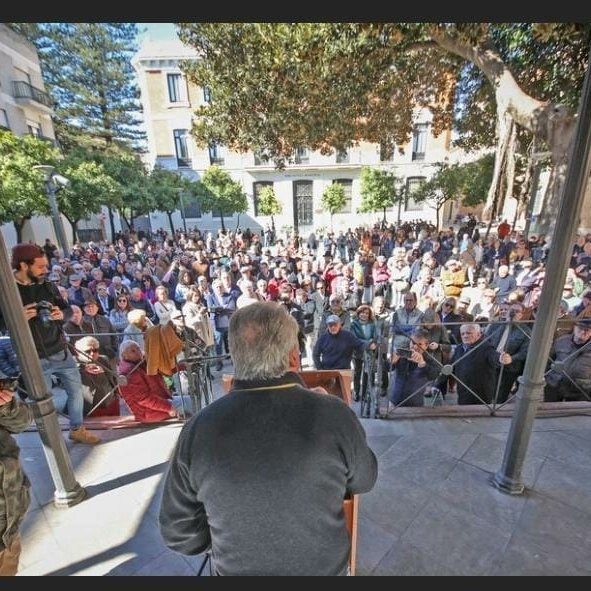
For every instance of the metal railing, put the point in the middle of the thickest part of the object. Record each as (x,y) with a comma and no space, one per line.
(504,387)
(23,89)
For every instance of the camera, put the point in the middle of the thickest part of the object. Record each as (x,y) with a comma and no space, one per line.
(44,309)
(401,352)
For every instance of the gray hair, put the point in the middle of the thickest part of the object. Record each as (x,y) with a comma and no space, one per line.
(261,336)
(85,343)
(126,345)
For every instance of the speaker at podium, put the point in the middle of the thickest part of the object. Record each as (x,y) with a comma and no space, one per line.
(336,382)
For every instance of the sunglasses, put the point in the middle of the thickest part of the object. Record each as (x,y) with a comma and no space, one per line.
(93,350)
(447,305)
(122,300)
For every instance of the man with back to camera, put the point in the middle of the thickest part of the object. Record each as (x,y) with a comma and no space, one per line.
(260,475)
(44,308)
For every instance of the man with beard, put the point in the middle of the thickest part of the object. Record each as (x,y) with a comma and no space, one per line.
(44,308)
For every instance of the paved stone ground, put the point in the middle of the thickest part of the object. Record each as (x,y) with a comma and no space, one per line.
(432,512)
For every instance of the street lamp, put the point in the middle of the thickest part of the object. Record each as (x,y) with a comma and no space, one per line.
(400,191)
(68,491)
(181,191)
(51,179)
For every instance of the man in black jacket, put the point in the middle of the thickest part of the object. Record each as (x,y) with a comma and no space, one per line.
(44,308)
(260,475)
(474,364)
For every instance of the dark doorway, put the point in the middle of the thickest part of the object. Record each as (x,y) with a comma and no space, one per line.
(303,206)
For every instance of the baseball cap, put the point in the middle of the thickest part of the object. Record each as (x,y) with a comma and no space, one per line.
(465,300)
(333,319)
(53,277)
(75,277)
(581,323)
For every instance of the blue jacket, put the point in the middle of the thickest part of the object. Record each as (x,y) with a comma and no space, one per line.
(336,351)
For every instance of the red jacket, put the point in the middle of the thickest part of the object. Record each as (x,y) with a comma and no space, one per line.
(147,396)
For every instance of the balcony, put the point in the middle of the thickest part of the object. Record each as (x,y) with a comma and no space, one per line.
(24,90)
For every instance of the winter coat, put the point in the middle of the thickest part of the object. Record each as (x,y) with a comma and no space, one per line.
(15,417)
(147,396)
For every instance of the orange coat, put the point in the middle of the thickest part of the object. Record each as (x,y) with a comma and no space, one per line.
(162,346)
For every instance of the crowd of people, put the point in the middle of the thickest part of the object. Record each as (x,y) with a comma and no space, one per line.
(110,319)
(415,297)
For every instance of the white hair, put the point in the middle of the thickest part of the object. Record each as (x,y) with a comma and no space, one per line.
(261,338)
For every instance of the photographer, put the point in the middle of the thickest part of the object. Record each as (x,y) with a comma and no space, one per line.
(14,485)
(44,308)
(414,370)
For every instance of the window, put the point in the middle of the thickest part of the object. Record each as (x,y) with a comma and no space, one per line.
(386,152)
(342,156)
(419,141)
(215,154)
(177,88)
(4,119)
(192,207)
(181,148)
(256,191)
(206,95)
(303,203)
(302,156)
(347,185)
(260,159)
(412,184)
(34,129)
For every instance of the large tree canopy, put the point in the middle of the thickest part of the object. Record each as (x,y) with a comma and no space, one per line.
(22,191)
(278,86)
(87,69)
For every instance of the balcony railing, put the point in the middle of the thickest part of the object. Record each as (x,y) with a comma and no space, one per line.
(25,90)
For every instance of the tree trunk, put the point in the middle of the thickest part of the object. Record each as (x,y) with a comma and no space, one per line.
(74,225)
(223,225)
(509,168)
(492,199)
(122,215)
(112,223)
(169,214)
(553,123)
(18,226)
(526,186)
(384,219)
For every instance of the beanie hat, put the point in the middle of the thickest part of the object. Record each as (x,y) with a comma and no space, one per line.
(25,253)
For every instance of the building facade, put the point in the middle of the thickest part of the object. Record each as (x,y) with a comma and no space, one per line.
(25,108)
(169,102)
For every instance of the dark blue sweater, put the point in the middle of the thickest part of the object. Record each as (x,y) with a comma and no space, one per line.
(336,351)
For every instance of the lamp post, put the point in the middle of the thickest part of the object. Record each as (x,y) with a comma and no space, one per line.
(182,204)
(67,490)
(531,384)
(49,177)
(400,195)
